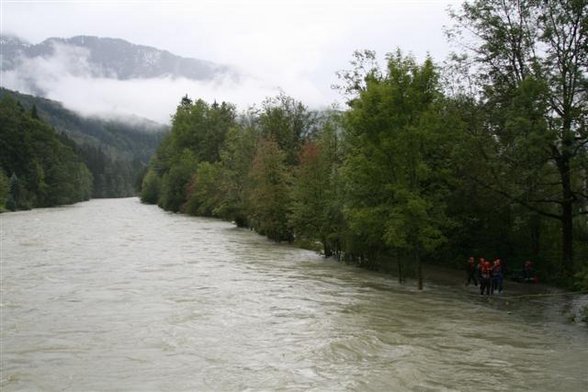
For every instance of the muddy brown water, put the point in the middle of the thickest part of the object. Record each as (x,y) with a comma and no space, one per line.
(114,295)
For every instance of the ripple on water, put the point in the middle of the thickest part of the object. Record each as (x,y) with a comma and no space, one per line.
(160,301)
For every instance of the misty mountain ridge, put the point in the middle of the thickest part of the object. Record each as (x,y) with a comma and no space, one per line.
(110,77)
(129,138)
(111,58)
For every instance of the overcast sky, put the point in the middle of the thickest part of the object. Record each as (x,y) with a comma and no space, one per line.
(296,46)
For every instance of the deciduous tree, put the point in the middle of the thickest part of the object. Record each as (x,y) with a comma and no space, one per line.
(532,60)
(397,159)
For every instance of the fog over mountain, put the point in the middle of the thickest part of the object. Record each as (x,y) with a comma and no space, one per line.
(111,58)
(113,77)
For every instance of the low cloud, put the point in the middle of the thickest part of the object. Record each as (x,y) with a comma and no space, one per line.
(67,76)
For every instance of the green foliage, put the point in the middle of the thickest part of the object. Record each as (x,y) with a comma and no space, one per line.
(406,173)
(150,187)
(202,128)
(115,152)
(288,122)
(269,196)
(174,183)
(530,58)
(4,189)
(314,208)
(197,136)
(46,169)
(396,168)
(15,191)
(212,165)
(204,195)
(582,279)
(113,177)
(236,159)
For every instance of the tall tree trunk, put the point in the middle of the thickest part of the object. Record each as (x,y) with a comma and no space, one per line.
(567,239)
(535,235)
(419,268)
(567,214)
(328,252)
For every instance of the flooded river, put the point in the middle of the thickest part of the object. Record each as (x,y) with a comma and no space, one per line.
(113,295)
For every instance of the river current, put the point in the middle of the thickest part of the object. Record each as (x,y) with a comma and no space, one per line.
(114,295)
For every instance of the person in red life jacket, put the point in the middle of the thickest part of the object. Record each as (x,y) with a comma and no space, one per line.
(479,269)
(471,272)
(497,276)
(485,276)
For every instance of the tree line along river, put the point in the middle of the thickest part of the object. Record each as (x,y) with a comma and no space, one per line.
(114,295)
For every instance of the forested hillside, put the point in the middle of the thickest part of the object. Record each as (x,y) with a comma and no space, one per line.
(115,152)
(39,168)
(486,158)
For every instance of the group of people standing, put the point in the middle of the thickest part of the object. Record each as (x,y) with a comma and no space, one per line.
(490,274)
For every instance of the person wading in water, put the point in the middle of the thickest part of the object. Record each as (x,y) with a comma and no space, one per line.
(485,276)
(497,276)
(471,272)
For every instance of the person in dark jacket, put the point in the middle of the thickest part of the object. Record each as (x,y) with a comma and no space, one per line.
(471,271)
(497,276)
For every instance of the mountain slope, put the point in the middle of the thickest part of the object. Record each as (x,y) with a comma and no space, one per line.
(116,152)
(120,139)
(111,58)
(38,167)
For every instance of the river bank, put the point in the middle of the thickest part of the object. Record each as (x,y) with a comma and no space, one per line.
(515,294)
(112,294)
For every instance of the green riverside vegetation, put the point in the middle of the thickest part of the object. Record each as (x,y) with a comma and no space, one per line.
(485,157)
(52,156)
(115,151)
(40,168)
